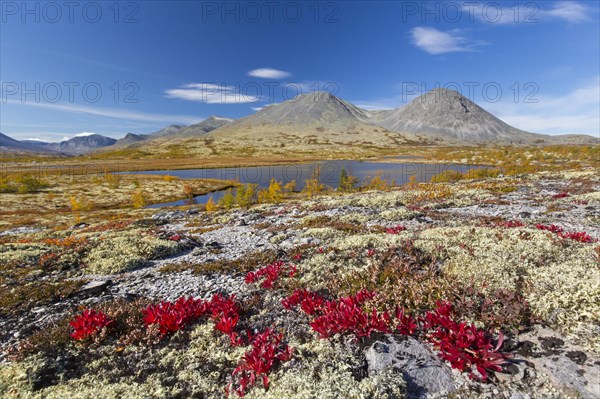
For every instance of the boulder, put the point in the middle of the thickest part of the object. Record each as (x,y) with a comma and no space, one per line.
(425,374)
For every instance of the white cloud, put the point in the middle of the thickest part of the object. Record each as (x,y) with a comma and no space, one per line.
(570,11)
(113,112)
(527,13)
(269,73)
(211,93)
(35,139)
(84,134)
(576,112)
(435,42)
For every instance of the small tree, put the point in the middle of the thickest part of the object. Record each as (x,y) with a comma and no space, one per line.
(412,182)
(313,186)
(79,204)
(347,182)
(246,195)
(188,191)
(228,200)
(376,182)
(275,191)
(139,199)
(290,186)
(210,205)
(273,194)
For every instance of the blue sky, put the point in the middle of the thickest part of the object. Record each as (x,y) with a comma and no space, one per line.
(113,68)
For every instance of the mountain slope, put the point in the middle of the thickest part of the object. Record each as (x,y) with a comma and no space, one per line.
(316,122)
(208,125)
(128,139)
(81,144)
(318,108)
(11,145)
(446,113)
(171,129)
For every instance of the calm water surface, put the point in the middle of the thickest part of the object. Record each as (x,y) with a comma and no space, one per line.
(329,174)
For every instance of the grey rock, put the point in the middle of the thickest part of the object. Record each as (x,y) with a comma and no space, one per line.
(94,287)
(525,215)
(566,365)
(241,222)
(423,371)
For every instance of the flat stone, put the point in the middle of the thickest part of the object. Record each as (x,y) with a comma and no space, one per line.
(424,373)
(95,287)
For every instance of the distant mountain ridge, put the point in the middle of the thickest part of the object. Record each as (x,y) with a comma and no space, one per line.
(11,145)
(79,145)
(440,114)
(319,121)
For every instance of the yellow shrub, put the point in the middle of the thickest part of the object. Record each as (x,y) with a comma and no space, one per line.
(228,200)
(246,195)
(139,199)
(290,186)
(210,205)
(376,182)
(79,204)
(188,191)
(313,186)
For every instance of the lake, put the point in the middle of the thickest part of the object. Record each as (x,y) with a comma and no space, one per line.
(329,174)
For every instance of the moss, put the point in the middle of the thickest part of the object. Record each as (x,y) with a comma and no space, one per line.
(29,294)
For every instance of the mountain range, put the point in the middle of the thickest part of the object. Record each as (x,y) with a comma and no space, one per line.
(321,120)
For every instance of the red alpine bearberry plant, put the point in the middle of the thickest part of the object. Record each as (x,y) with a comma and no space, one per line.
(510,224)
(579,236)
(551,228)
(310,302)
(342,316)
(267,351)
(88,323)
(270,274)
(225,314)
(563,194)
(407,325)
(173,316)
(395,230)
(464,346)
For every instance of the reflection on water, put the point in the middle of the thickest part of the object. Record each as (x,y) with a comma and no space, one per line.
(329,174)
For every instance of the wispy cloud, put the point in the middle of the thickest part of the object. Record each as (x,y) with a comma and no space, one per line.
(112,112)
(570,11)
(211,93)
(269,73)
(436,42)
(575,112)
(528,13)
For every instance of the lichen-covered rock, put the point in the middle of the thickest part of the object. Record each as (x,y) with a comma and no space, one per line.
(424,373)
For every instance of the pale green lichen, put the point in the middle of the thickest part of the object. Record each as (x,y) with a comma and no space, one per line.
(398,214)
(22,252)
(323,371)
(561,284)
(122,251)
(355,218)
(323,233)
